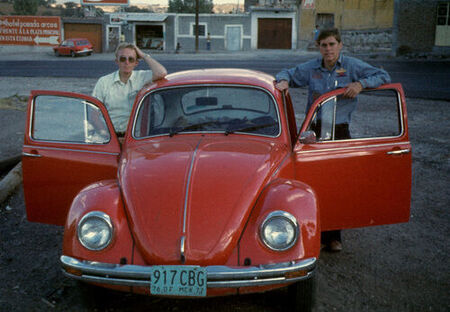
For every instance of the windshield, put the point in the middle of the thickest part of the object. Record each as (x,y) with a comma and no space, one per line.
(82,42)
(226,109)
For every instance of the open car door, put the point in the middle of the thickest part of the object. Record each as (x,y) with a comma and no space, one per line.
(361,176)
(69,143)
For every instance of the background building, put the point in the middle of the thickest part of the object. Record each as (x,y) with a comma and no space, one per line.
(422,27)
(383,26)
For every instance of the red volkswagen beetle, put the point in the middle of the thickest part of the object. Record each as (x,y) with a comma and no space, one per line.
(214,191)
(74,47)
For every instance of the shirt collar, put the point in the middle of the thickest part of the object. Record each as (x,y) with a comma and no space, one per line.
(319,60)
(339,60)
(116,77)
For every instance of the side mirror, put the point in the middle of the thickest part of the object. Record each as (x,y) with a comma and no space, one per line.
(308,137)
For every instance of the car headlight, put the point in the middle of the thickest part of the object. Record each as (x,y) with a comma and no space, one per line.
(279,231)
(95,230)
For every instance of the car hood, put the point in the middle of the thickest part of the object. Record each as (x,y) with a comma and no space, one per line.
(190,196)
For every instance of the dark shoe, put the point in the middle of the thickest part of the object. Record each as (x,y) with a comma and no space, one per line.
(335,246)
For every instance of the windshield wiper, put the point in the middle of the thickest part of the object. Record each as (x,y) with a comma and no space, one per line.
(250,128)
(174,131)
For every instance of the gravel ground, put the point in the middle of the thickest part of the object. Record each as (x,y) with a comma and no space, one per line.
(401,267)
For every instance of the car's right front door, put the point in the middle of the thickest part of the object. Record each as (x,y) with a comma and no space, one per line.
(69,143)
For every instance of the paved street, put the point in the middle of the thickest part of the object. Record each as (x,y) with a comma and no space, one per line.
(428,79)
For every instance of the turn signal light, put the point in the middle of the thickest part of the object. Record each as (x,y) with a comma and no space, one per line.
(295,274)
(73,271)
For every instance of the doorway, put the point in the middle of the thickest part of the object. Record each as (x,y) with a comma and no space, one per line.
(150,37)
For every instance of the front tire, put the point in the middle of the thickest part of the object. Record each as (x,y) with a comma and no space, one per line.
(301,295)
(93,297)
(72,54)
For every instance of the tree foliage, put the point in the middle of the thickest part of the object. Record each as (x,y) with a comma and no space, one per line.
(25,7)
(134,8)
(46,3)
(188,6)
(72,9)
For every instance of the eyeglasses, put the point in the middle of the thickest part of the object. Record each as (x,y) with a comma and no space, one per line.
(130,59)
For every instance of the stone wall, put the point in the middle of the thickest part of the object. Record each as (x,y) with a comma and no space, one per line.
(368,41)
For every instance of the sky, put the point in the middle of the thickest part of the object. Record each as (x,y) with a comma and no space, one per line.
(163,2)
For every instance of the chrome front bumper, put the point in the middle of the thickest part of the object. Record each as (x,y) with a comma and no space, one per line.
(217,276)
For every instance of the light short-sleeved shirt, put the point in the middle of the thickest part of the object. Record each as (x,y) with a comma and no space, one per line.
(321,80)
(118,97)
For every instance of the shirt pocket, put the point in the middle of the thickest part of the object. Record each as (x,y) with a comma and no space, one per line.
(132,95)
(343,81)
(318,86)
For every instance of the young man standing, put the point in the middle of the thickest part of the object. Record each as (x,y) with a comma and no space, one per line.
(331,71)
(118,89)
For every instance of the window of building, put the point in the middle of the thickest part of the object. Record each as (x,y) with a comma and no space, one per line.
(325,20)
(443,14)
(443,24)
(201,30)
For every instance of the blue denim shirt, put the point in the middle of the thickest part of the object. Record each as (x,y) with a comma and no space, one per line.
(321,80)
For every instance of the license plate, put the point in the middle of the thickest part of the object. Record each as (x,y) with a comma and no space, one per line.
(178,280)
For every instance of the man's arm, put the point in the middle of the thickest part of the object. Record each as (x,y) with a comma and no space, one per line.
(158,70)
(365,76)
(293,77)
(370,76)
(282,85)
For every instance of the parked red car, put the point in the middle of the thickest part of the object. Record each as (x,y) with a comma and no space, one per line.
(74,47)
(214,191)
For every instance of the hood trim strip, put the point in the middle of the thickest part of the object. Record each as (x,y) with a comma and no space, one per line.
(182,249)
(188,183)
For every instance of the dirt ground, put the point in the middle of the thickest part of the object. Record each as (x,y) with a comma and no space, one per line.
(402,267)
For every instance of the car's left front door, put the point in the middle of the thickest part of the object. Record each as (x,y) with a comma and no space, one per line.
(64,48)
(361,173)
(69,143)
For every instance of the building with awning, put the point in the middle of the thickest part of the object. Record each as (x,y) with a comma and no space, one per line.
(166,32)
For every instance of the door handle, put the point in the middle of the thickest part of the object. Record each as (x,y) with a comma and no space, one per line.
(399,152)
(30,155)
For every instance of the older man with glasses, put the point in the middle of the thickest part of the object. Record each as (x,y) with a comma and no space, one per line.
(118,89)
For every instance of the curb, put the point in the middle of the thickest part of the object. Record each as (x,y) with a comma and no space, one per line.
(10,182)
(8,163)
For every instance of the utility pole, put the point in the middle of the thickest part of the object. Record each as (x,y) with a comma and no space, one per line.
(196,25)
(298,14)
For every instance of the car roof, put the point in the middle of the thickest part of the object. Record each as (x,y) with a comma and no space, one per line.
(76,39)
(219,76)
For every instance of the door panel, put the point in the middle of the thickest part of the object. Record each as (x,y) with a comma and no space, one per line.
(69,143)
(233,35)
(92,32)
(364,179)
(274,33)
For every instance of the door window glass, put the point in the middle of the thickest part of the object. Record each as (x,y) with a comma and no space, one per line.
(372,114)
(65,119)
